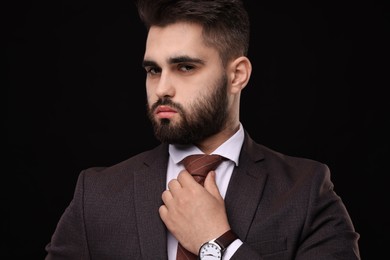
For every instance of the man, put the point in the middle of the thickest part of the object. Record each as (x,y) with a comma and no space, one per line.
(273,206)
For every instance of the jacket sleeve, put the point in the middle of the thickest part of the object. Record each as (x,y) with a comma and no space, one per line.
(325,232)
(328,232)
(69,238)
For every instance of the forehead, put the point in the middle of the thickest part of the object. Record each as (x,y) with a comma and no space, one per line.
(177,39)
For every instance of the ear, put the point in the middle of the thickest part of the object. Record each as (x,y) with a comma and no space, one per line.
(240,71)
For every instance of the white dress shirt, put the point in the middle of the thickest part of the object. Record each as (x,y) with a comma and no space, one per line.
(229,149)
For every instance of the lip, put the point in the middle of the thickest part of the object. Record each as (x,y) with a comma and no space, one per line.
(165,112)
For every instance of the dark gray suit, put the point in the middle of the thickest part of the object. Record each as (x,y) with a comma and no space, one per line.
(281,207)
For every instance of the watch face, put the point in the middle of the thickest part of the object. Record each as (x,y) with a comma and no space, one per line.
(210,251)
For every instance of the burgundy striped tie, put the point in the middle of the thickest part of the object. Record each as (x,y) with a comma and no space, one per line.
(199,165)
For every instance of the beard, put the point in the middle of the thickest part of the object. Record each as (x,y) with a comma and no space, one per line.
(206,117)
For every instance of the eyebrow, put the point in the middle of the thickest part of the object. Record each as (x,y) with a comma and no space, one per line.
(173,60)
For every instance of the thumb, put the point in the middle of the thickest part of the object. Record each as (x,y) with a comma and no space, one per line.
(211,185)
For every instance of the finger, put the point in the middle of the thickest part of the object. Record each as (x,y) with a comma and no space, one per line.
(174,184)
(186,179)
(163,211)
(211,185)
(166,196)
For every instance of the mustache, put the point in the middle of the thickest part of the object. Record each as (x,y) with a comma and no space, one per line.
(167,102)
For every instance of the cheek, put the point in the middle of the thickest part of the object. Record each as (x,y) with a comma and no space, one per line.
(187,99)
(150,94)
(151,101)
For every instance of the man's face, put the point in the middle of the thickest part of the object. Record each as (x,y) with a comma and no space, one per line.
(186,85)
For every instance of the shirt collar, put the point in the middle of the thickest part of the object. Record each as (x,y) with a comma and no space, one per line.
(229,149)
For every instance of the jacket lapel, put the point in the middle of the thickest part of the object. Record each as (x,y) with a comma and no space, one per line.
(245,188)
(149,183)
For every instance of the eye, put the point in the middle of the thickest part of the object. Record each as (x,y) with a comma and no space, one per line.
(152,70)
(186,67)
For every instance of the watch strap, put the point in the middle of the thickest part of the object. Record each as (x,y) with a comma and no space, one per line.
(226,239)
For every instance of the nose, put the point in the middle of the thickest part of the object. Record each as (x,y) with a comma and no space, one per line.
(165,86)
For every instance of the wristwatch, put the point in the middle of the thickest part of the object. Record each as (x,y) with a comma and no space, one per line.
(215,248)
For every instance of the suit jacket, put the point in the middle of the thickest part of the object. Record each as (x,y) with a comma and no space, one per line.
(281,207)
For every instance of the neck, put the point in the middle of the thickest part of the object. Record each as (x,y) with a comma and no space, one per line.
(211,143)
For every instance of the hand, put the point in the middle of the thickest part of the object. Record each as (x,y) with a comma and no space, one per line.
(194,214)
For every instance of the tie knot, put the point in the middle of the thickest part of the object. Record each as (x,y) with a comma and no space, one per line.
(198,165)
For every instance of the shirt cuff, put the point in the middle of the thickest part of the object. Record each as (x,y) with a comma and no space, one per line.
(231,249)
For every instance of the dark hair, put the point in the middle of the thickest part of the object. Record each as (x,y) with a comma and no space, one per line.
(225,22)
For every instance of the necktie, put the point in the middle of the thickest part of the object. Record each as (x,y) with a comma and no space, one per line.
(198,165)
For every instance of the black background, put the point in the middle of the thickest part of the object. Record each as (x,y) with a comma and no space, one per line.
(76,98)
